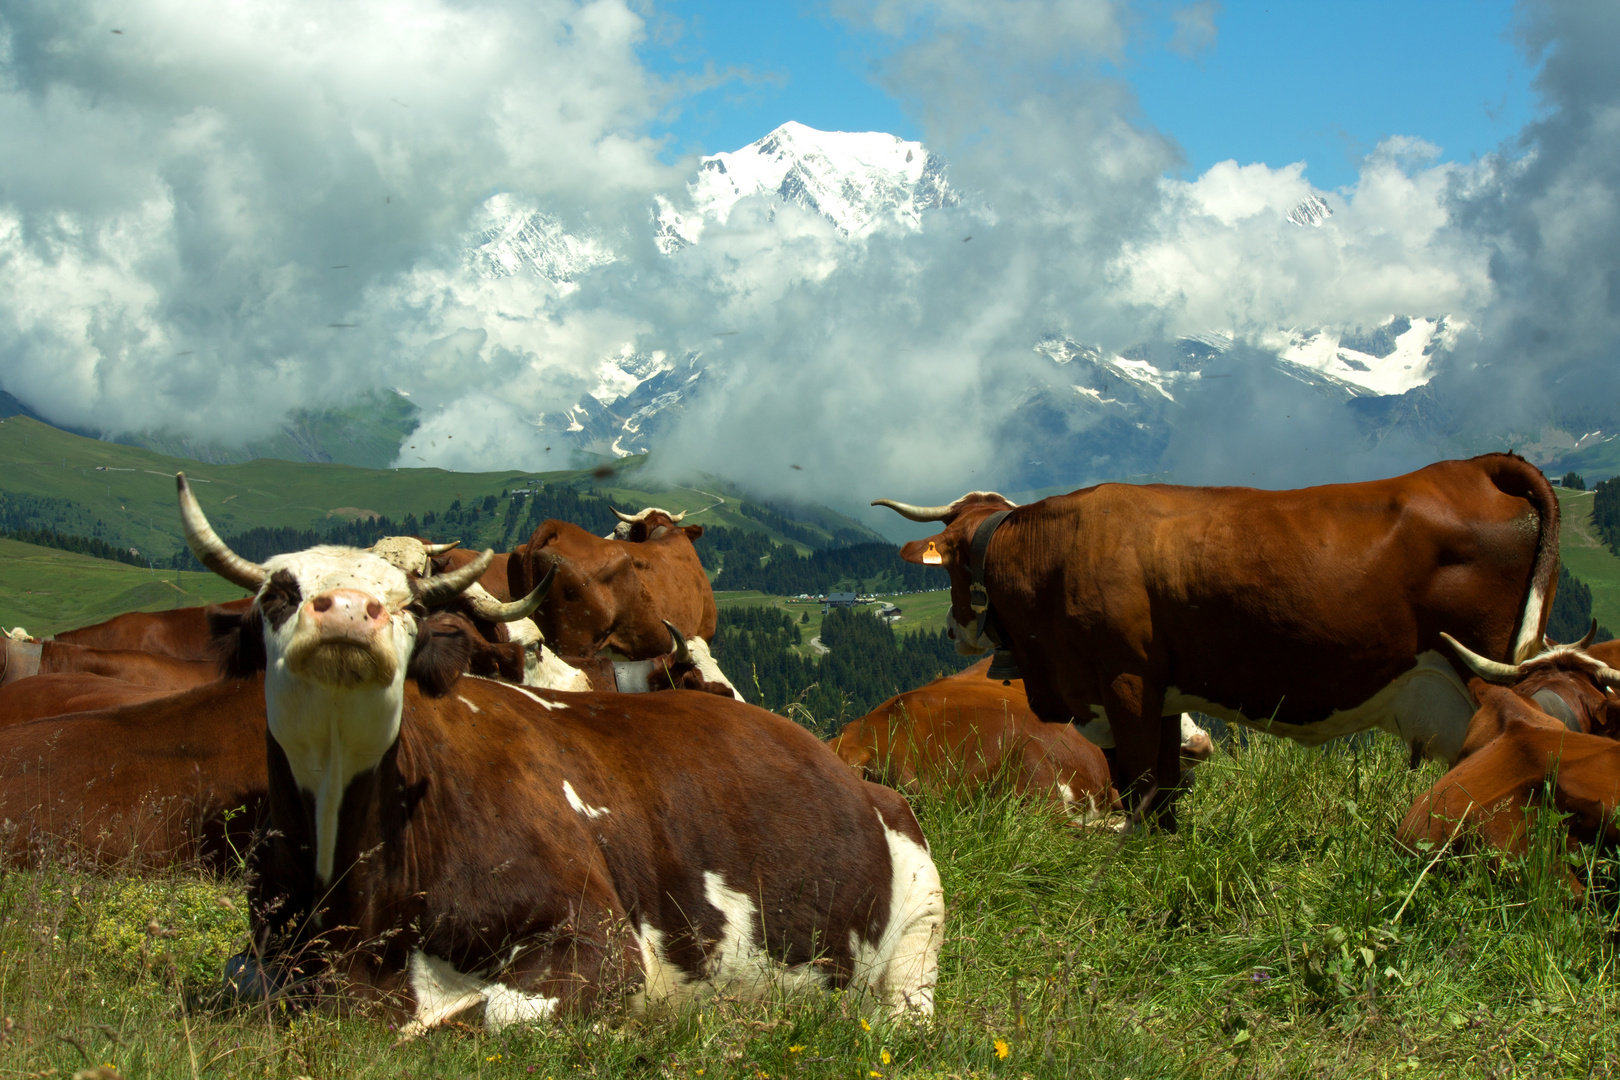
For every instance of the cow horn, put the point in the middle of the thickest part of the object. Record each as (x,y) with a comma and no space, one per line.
(440,549)
(1590,634)
(487,607)
(676,518)
(1490,670)
(440,590)
(683,655)
(916,513)
(1608,676)
(622,516)
(209,548)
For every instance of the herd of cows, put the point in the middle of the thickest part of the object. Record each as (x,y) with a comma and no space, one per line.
(521,783)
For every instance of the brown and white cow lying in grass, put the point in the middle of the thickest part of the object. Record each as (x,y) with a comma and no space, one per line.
(463,843)
(1551,732)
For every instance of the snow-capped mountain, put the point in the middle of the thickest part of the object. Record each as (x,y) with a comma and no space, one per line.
(1084,411)
(860,181)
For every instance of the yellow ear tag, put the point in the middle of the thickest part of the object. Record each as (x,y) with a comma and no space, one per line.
(932,557)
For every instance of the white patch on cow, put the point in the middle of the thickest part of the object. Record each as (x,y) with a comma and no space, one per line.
(704,659)
(663,983)
(1426,705)
(469,704)
(545,670)
(902,968)
(579,804)
(524,631)
(17,633)
(536,698)
(442,992)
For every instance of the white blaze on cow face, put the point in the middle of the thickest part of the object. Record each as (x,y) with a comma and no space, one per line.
(337,643)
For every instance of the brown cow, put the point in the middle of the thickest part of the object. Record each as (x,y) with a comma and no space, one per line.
(57,695)
(494,580)
(963,731)
(181,633)
(19,660)
(151,782)
(464,844)
(1311,613)
(613,594)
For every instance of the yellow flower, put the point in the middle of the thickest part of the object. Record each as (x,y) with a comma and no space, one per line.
(1002,1049)
(795,1049)
(864,1025)
(493,1057)
(885,1057)
(873,1072)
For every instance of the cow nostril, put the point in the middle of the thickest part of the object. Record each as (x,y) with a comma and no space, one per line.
(321,603)
(373,609)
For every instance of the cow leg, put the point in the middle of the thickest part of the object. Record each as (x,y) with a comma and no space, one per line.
(1148,747)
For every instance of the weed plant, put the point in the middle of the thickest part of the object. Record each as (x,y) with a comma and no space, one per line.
(1280,932)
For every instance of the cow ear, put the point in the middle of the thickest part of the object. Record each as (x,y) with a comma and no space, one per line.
(238,641)
(438,660)
(934,551)
(692,531)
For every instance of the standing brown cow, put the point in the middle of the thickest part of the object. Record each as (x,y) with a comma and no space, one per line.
(1311,613)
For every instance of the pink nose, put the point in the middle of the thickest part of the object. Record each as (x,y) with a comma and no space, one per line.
(347,613)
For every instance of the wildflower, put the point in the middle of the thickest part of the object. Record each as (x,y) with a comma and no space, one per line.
(1002,1049)
(493,1057)
(874,1072)
(795,1049)
(885,1056)
(864,1025)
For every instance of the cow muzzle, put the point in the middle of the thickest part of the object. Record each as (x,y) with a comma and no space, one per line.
(342,640)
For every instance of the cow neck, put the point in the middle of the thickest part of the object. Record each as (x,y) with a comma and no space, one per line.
(978,595)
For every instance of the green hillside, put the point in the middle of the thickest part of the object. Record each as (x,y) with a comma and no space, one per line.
(125,494)
(46,591)
(1588,558)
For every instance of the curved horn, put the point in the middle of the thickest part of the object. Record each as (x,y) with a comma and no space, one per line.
(683,655)
(440,549)
(676,518)
(1608,676)
(1590,634)
(1490,670)
(438,591)
(916,513)
(488,607)
(622,516)
(209,548)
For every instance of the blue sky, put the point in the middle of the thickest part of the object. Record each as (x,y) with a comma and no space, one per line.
(1321,82)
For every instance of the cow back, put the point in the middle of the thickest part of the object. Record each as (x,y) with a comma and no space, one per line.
(182,633)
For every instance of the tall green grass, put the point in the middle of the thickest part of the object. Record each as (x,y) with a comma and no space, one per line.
(1280,932)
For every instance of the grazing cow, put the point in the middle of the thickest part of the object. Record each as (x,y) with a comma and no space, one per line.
(1557,719)
(963,731)
(20,660)
(182,633)
(1311,613)
(615,595)
(470,844)
(151,781)
(648,524)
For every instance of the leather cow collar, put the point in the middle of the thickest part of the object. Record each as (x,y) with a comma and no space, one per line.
(986,625)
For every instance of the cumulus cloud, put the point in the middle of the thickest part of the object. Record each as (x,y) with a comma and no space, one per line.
(207,222)
(197,208)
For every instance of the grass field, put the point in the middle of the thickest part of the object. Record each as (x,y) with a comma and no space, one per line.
(919,611)
(1588,558)
(132,490)
(1280,933)
(46,591)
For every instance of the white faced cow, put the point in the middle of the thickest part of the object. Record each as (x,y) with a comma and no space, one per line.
(461,843)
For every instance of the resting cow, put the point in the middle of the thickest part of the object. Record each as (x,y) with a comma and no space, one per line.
(1557,721)
(181,632)
(963,731)
(149,782)
(21,660)
(466,844)
(613,594)
(1311,613)
(58,695)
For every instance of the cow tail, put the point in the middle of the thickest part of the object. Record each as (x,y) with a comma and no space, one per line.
(1516,476)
